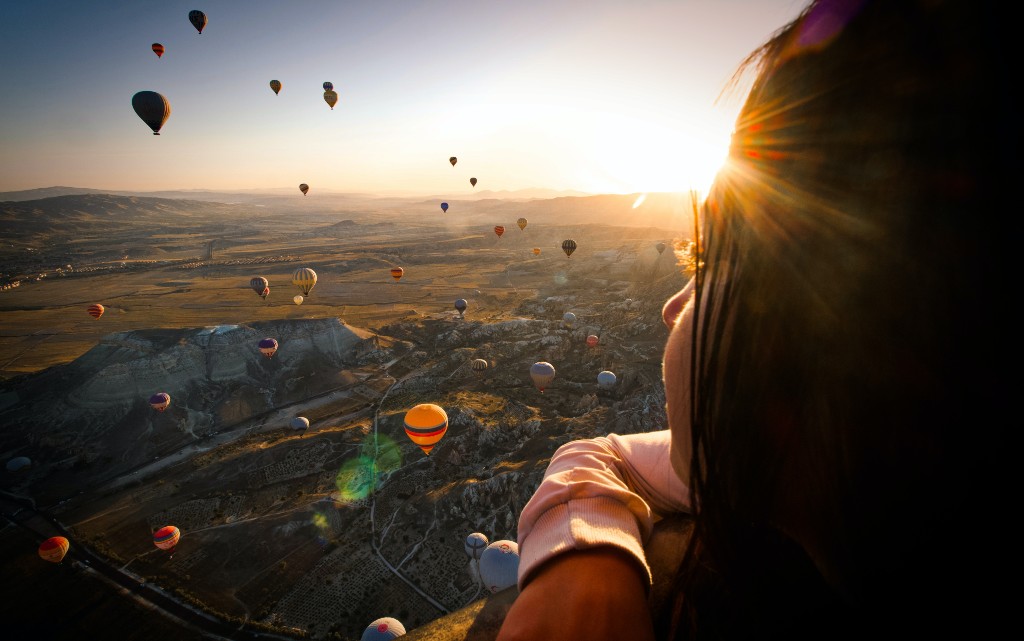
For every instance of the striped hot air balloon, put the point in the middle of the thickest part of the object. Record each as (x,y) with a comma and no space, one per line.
(268,347)
(499,230)
(569,246)
(396,273)
(167,537)
(258,284)
(479,366)
(53,549)
(160,401)
(304,188)
(304,278)
(158,49)
(96,310)
(425,424)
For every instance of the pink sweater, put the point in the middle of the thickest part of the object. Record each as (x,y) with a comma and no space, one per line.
(602,491)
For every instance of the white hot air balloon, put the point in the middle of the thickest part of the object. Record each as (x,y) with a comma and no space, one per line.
(475,544)
(499,565)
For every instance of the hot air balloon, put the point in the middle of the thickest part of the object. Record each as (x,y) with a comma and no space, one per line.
(383,629)
(152,108)
(19,463)
(475,544)
(542,373)
(522,224)
(479,366)
(160,401)
(460,306)
(444,207)
(331,98)
(198,19)
(268,347)
(592,340)
(453,160)
(258,284)
(396,273)
(569,246)
(96,310)
(158,49)
(300,423)
(568,319)
(499,230)
(298,300)
(606,379)
(328,86)
(276,86)
(660,247)
(425,424)
(304,188)
(166,538)
(304,278)
(536,251)
(53,549)
(472,181)
(499,565)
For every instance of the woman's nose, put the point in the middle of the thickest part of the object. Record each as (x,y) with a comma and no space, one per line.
(673,307)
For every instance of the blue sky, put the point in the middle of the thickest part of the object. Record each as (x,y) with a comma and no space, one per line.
(595,95)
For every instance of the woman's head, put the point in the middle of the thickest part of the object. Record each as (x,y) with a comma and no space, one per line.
(844,382)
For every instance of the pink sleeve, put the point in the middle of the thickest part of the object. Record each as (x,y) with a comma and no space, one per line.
(601,491)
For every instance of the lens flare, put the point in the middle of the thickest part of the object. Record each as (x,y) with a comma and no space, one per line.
(359,477)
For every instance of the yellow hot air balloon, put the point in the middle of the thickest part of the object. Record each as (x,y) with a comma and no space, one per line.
(298,300)
(425,424)
(304,278)
(331,98)
(276,86)
(396,273)
(522,223)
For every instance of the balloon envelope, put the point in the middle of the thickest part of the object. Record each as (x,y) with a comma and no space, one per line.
(425,424)
(499,565)
(396,273)
(522,223)
(304,278)
(472,181)
(475,544)
(258,284)
(444,207)
(300,423)
(19,463)
(660,247)
(166,537)
(542,374)
(198,19)
(568,319)
(304,188)
(96,310)
(276,86)
(592,340)
(461,305)
(268,347)
(499,230)
(569,246)
(158,49)
(160,401)
(536,251)
(328,86)
(606,379)
(152,108)
(298,299)
(383,629)
(53,549)
(331,97)
(479,365)
(453,160)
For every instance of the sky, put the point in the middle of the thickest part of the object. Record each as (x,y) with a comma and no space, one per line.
(600,96)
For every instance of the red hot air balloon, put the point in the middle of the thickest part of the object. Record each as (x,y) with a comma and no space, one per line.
(160,401)
(166,538)
(96,310)
(158,49)
(53,549)
(396,273)
(499,230)
(592,340)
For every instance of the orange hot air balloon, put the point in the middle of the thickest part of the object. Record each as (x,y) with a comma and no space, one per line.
(396,273)
(53,549)
(536,251)
(166,538)
(331,98)
(499,230)
(96,310)
(425,424)
(158,49)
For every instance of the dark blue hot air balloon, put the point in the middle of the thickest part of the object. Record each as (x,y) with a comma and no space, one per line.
(444,207)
